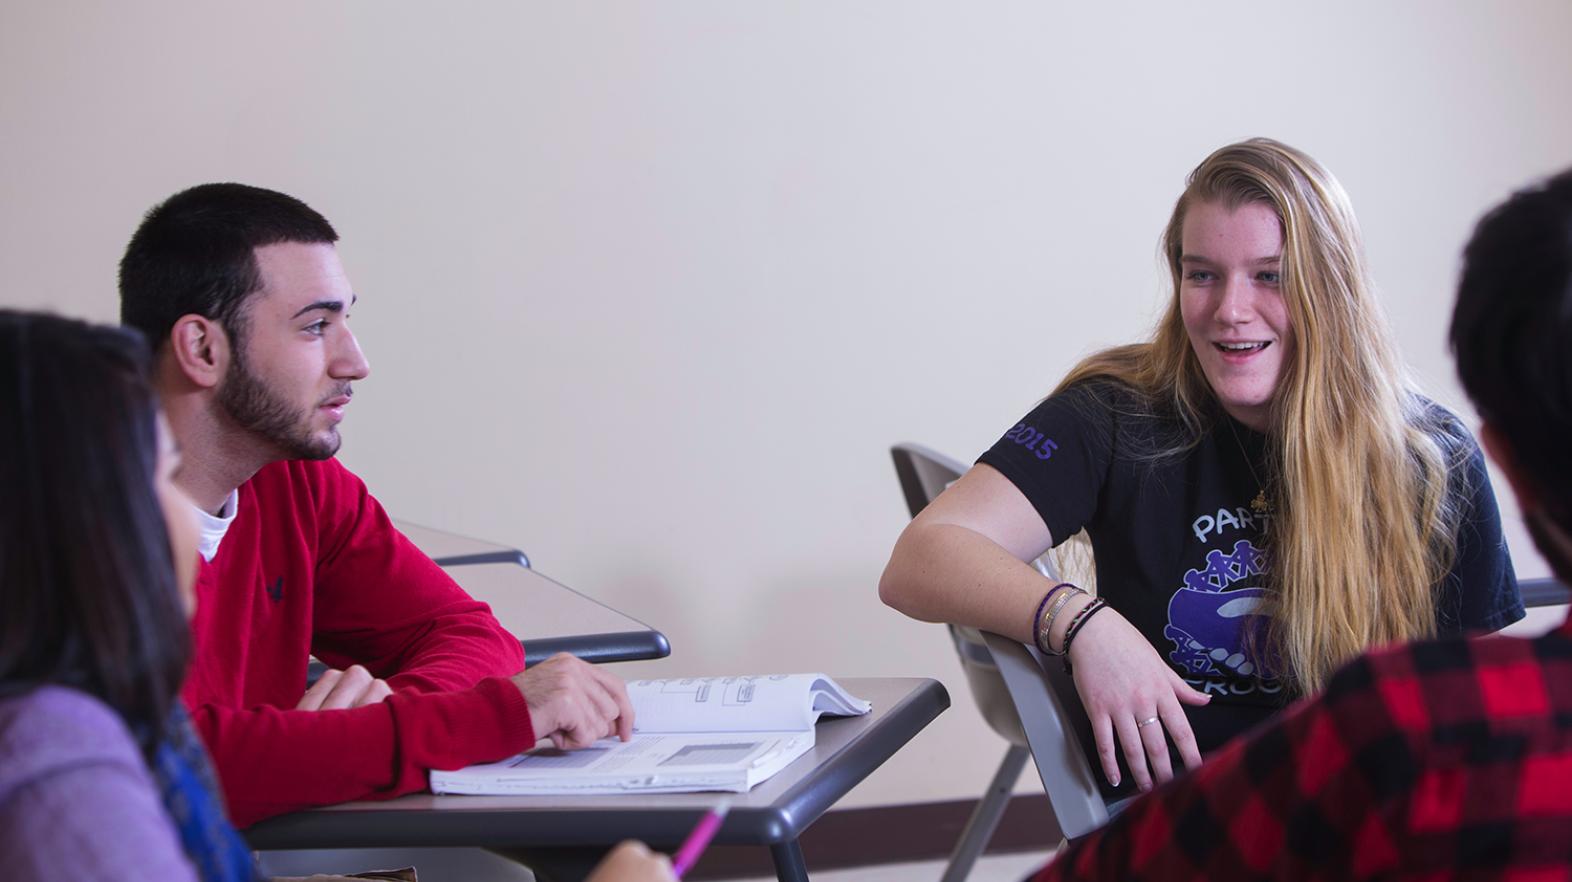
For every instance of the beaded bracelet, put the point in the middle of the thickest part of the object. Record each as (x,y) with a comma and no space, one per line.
(1053,615)
(1045,622)
(1077,623)
(1037,617)
(1046,614)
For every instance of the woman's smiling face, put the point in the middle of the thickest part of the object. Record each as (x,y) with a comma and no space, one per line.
(1232,304)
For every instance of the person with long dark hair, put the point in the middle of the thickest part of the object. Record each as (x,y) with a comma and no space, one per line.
(101,774)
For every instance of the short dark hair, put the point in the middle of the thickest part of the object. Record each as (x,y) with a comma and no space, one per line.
(1512,333)
(195,253)
(88,597)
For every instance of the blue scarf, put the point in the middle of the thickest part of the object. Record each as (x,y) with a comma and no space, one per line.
(191,796)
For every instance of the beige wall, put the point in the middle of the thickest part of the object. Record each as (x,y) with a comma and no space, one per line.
(649,288)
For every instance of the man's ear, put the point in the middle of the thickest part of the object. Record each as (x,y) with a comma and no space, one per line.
(200,348)
(1500,450)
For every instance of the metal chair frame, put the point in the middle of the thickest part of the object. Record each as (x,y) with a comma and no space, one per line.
(1017,694)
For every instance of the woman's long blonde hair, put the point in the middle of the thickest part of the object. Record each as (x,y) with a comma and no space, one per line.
(1364,527)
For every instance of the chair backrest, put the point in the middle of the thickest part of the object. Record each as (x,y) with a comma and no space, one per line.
(924,474)
(1046,703)
(1023,697)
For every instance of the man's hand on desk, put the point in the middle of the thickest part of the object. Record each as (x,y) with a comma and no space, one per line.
(574,703)
(351,687)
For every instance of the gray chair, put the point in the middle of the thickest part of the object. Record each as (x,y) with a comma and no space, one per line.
(1030,704)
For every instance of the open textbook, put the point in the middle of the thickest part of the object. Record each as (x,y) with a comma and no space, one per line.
(696,733)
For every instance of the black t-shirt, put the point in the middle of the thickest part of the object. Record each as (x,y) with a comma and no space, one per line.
(1180,551)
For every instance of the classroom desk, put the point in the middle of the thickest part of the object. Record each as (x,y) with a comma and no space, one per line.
(546,615)
(551,617)
(1543,592)
(773,814)
(451,549)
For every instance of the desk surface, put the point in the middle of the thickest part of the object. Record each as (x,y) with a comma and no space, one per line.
(547,616)
(776,811)
(551,617)
(450,548)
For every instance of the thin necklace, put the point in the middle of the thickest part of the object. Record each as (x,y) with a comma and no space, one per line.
(1261,505)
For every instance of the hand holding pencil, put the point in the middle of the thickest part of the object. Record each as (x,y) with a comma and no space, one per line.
(688,853)
(632,861)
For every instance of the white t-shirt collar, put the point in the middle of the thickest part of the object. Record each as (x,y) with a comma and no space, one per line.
(213,527)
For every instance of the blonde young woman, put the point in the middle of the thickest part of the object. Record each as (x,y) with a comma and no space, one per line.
(1265,493)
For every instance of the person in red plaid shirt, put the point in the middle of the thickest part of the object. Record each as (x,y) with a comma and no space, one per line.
(1442,759)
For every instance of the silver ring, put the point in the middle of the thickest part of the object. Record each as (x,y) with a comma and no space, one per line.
(1146,722)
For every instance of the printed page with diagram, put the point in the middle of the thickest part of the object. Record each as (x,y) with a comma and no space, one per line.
(776,702)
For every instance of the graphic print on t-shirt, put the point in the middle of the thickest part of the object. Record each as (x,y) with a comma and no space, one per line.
(1215,616)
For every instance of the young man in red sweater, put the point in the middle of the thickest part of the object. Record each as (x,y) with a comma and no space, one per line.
(240,292)
(1443,759)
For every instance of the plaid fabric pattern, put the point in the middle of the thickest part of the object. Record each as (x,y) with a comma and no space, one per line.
(1448,759)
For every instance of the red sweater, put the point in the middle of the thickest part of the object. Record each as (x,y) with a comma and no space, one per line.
(312,565)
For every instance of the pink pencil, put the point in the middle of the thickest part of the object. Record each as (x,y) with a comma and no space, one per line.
(688,854)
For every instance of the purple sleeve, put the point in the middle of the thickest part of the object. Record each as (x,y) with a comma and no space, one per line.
(1058,456)
(76,800)
(92,821)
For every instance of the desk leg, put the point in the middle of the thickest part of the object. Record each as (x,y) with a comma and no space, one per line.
(789,865)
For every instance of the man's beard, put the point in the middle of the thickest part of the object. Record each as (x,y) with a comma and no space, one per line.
(260,411)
